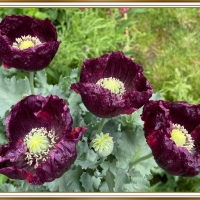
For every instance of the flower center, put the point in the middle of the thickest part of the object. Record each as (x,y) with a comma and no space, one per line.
(25,42)
(112,84)
(39,142)
(181,137)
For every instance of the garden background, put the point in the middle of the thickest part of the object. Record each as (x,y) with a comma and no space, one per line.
(165,41)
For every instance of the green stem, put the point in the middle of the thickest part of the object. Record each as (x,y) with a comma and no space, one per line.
(101,126)
(31,80)
(140,160)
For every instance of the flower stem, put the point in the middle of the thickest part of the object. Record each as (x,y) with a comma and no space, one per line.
(101,126)
(31,80)
(140,160)
(102,122)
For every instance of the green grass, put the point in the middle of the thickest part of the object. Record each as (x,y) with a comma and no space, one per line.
(167,39)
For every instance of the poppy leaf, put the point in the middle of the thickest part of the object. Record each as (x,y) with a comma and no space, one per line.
(132,146)
(134,182)
(41,83)
(12,91)
(110,180)
(121,179)
(87,158)
(68,182)
(90,183)
(7,187)
(44,88)
(138,183)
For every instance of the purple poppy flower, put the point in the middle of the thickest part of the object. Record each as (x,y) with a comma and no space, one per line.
(172,131)
(42,145)
(26,43)
(112,85)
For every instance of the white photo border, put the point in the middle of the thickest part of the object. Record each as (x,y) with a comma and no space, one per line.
(95,195)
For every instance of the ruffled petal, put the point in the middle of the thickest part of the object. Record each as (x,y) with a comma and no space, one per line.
(52,114)
(159,117)
(33,58)
(101,101)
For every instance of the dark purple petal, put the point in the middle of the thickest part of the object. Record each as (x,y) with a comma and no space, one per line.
(114,64)
(92,69)
(33,58)
(76,134)
(16,26)
(60,159)
(11,151)
(196,137)
(44,30)
(100,101)
(174,160)
(14,172)
(9,154)
(123,68)
(158,117)
(185,114)
(36,111)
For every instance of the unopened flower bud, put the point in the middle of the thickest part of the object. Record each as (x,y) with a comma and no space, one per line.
(103,144)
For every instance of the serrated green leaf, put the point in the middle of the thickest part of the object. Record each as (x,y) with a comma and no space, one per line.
(24,186)
(134,182)
(42,87)
(138,183)
(156,96)
(68,182)
(110,180)
(121,178)
(8,188)
(45,89)
(64,83)
(85,164)
(73,102)
(90,183)
(96,182)
(131,120)
(56,90)
(11,92)
(78,119)
(86,181)
(108,165)
(131,147)
(135,118)
(111,127)
(87,158)
(104,187)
